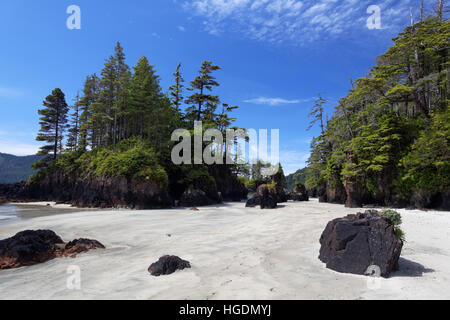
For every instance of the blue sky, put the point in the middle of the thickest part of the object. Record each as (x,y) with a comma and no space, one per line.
(276,55)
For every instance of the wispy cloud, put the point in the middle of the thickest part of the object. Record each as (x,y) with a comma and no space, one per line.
(182,29)
(274,101)
(295,21)
(292,160)
(10,93)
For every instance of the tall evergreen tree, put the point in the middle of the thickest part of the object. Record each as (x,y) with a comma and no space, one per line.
(202,84)
(74,130)
(317,112)
(53,122)
(87,126)
(176,91)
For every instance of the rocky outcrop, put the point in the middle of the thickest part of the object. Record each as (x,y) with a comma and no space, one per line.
(29,247)
(336,193)
(294,196)
(2,201)
(253,202)
(32,247)
(357,242)
(74,247)
(266,197)
(195,198)
(167,265)
(354,194)
(282,194)
(90,192)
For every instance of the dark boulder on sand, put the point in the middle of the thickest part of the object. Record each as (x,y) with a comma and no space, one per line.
(77,246)
(32,247)
(29,247)
(354,243)
(168,265)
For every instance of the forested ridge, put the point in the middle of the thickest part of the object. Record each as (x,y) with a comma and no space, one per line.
(387,142)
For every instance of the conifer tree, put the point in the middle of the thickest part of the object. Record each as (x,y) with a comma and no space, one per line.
(74,130)
(53,122)
(202,84)
(176,91)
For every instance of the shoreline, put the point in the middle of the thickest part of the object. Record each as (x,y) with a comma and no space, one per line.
(235,253)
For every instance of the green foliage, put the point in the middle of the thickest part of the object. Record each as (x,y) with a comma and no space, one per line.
(390,134)
(133,160)
(298,176)
(427,166)
(299,187)
(396,220)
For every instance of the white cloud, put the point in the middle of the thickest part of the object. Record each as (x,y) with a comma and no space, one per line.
(182,29)
(274,101)
(295,21)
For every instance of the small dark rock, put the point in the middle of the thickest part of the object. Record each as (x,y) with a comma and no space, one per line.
(81,245)
(168,265)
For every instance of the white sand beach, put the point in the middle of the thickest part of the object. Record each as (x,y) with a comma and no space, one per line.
(235,253)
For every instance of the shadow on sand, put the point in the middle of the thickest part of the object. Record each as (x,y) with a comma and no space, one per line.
(410,268)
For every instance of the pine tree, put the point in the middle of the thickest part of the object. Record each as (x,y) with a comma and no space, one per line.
(145,94)
(317,113)
(176,91)
(53,122)
(74,131)
(203,83)
(90,97)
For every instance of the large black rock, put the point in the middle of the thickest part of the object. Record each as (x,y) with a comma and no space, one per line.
(168,265)
(266,197)
(29,247)
(356,242)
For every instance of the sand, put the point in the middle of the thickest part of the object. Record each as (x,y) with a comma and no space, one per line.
(235,253)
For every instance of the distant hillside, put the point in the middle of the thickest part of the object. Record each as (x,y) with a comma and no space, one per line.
(299,175)
(15,169)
